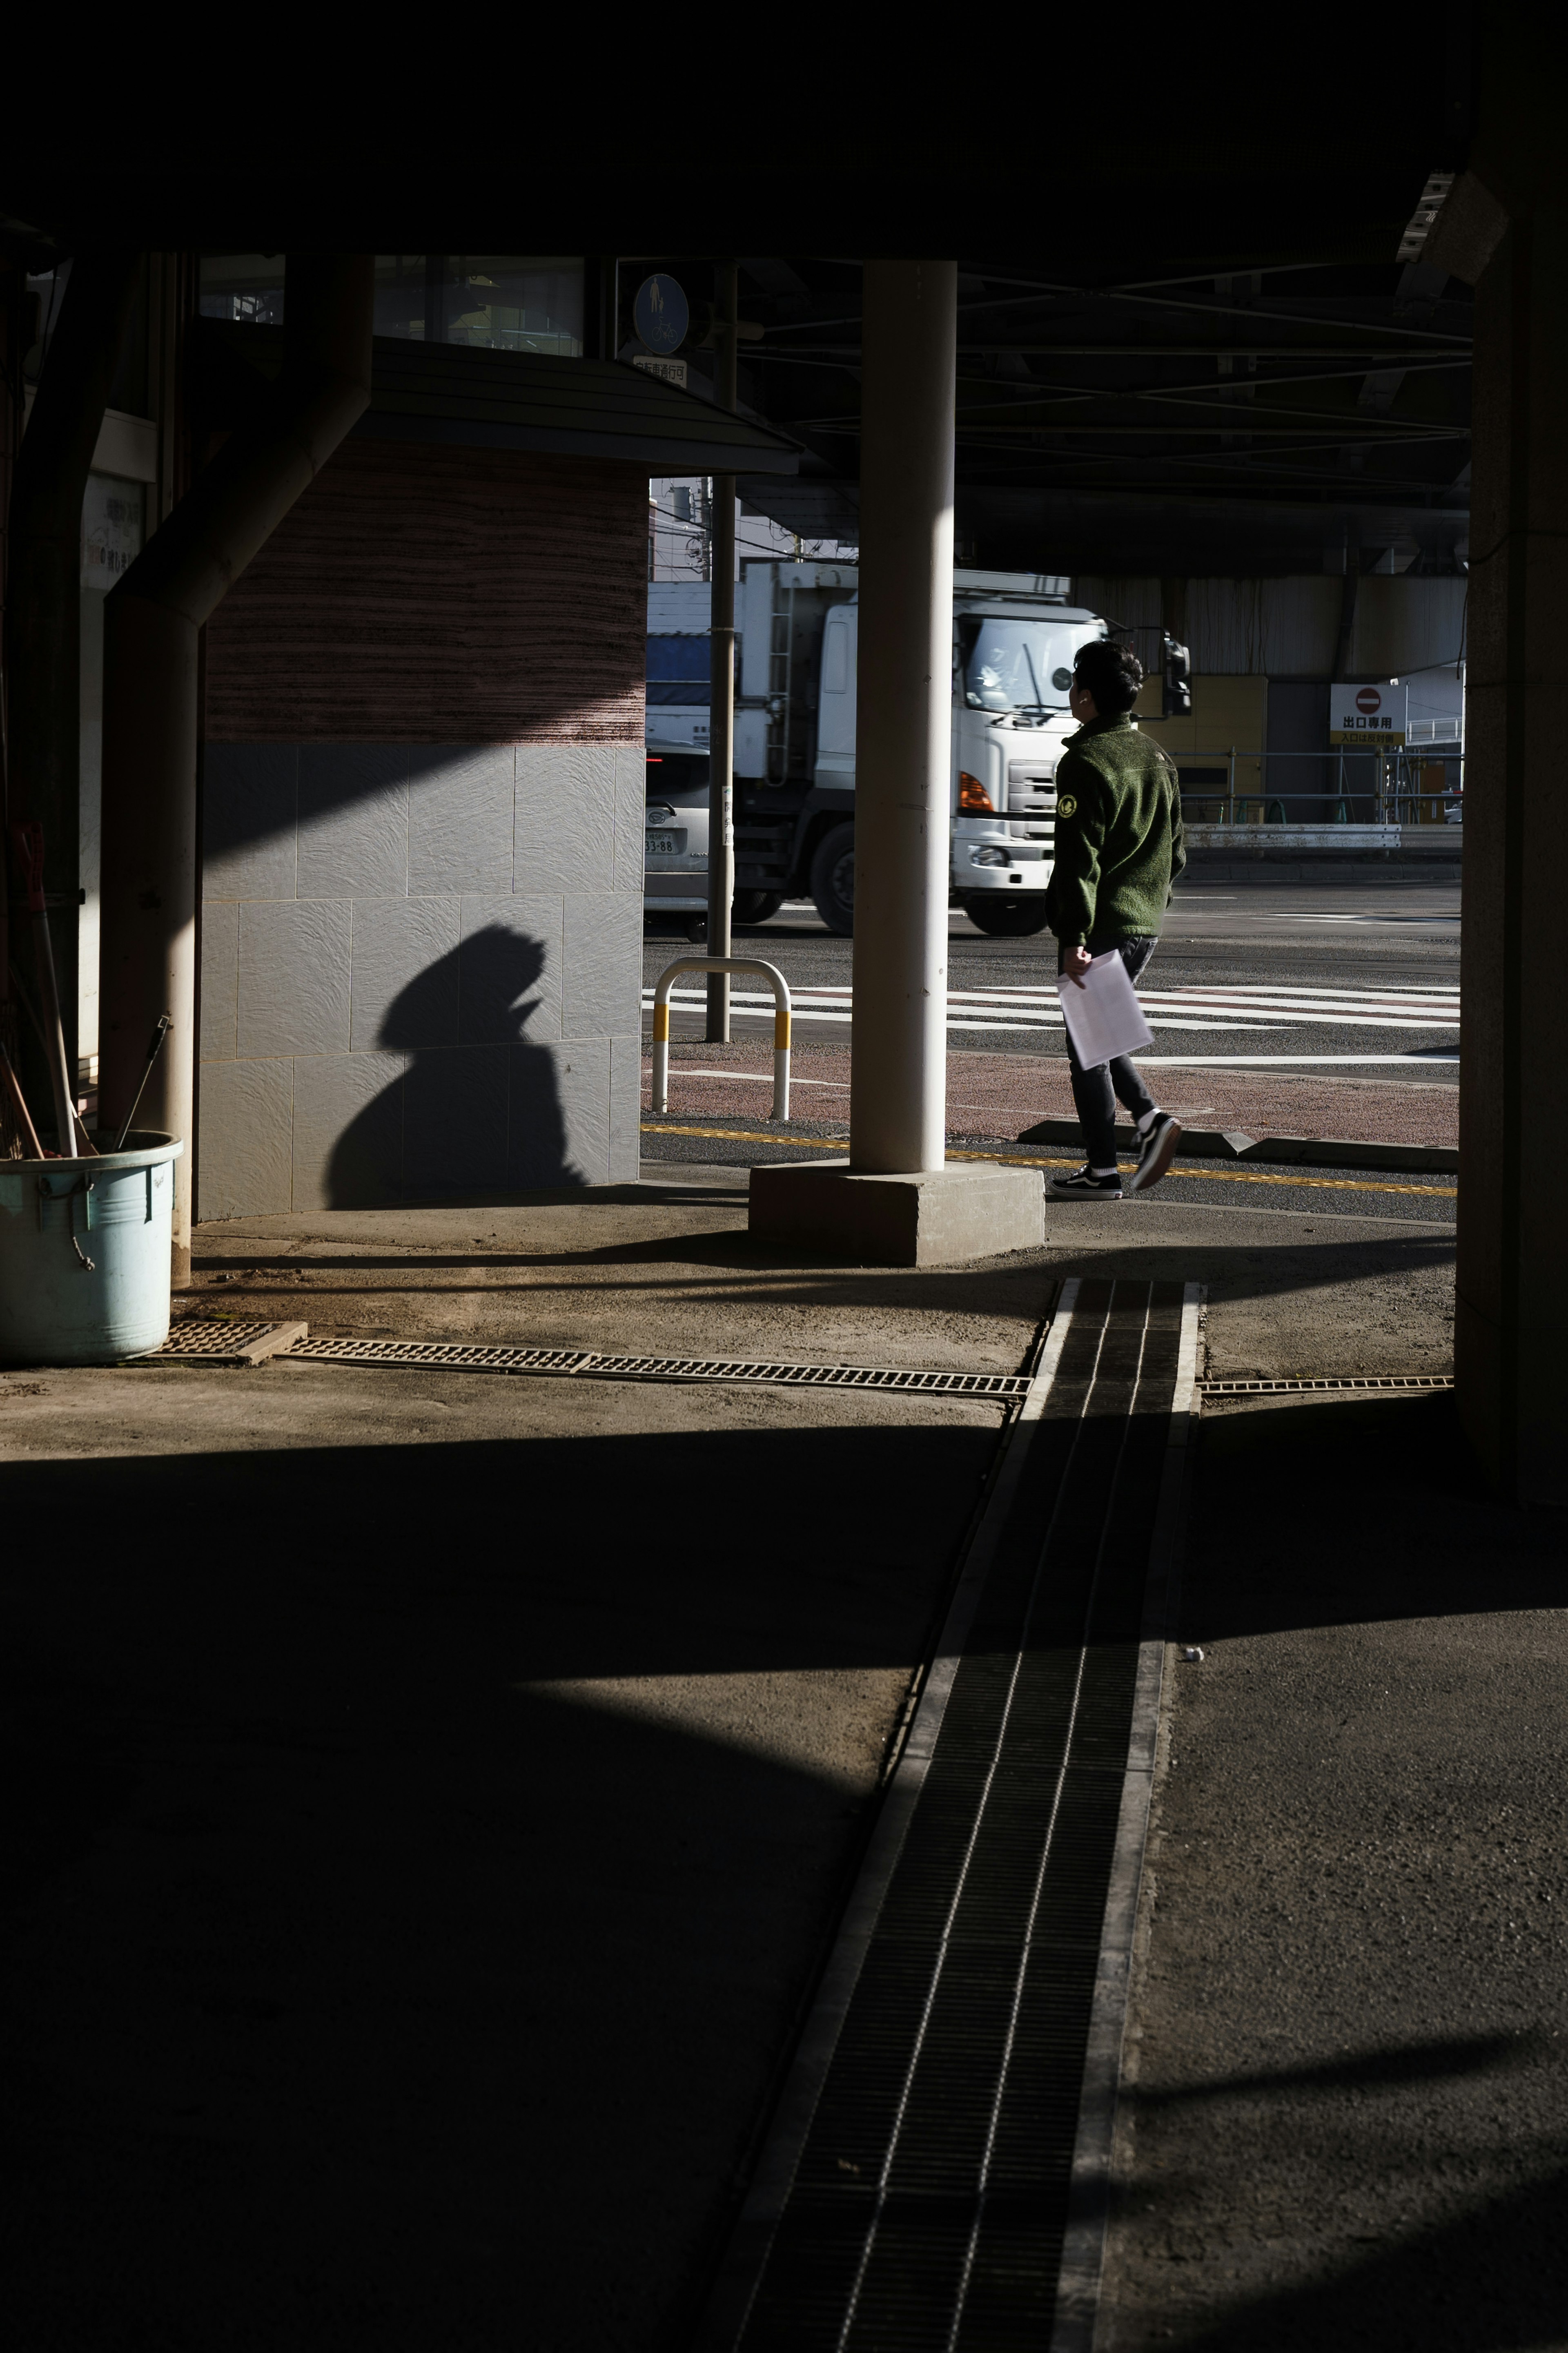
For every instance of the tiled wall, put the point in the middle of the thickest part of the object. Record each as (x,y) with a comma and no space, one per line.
(421,971)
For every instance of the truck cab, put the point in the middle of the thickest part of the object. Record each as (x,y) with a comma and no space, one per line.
(1014,637)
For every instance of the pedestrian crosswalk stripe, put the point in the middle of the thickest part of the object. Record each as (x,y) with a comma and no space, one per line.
(1001,1011)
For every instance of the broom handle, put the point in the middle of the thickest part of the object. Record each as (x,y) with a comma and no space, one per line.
(164,1025)
(29,840)
(19,1104)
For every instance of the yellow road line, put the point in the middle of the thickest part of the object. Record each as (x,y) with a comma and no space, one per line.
(1016,1160)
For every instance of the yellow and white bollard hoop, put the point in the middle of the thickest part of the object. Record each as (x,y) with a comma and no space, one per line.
(660,1096)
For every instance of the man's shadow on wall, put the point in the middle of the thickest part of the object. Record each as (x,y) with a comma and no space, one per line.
(477,1106)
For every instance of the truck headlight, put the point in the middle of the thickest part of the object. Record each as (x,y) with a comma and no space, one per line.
(986,856)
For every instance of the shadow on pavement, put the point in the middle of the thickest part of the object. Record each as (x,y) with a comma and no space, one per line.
(1401,1523)
(1347,2126)
(415,1853)
(1492,2279)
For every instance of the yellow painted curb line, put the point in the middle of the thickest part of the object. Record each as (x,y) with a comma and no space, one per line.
(1015,1160)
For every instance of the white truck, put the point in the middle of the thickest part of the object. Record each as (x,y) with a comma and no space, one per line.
(1014,637)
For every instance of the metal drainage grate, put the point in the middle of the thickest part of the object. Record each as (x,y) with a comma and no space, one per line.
(1310,1389)
(213,1339)
(218,1339)
(924,2205)
(220,1342)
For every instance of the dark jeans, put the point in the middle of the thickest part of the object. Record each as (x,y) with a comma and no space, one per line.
(1097,1090)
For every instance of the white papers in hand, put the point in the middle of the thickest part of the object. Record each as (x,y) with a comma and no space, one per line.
(1104,1017)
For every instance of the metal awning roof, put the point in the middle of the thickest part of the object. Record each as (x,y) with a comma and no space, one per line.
(567,407)
(464,393)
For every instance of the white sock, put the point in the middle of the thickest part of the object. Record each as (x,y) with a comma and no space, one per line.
(1104,1172)
(1147,1121)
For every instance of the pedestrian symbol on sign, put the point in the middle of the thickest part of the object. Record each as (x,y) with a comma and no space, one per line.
(660,314)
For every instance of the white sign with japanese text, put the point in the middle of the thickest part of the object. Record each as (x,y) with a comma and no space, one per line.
(1371,718)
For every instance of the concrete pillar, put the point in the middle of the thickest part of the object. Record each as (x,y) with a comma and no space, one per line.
(42,633)
(904,717)
(896,1202)
(153,620)
(1503,229)
(1511,1309)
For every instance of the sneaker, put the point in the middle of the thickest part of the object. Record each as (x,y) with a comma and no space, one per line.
(1086,1187)
(1156,1152)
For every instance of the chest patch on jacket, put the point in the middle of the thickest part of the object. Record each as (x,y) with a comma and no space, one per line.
(1067,806)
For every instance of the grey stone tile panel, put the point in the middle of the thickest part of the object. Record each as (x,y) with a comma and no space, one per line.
(403,984)
(249,797)
(510,964)
(353,820)
(564,827)
(455,1121)
(602,969)
(461,812)
(245,1120)
(220,980)
(631,774)
(626,1110)
(348,1131)
(294,972)
(559,1113)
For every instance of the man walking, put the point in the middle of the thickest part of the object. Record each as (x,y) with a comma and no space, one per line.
(1118,849)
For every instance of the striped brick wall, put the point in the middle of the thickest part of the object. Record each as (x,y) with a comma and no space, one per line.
(422,594)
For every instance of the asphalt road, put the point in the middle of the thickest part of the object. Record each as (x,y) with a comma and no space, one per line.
(1357,979)
(1288,976)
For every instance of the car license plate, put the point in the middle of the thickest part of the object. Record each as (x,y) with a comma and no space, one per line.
(665,845)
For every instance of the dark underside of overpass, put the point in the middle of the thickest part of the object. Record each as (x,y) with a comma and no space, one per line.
(1187,340)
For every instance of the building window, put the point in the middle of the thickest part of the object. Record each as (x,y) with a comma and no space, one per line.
(499,301)
(246,286)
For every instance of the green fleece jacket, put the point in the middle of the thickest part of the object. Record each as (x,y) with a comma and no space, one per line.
(1119,836)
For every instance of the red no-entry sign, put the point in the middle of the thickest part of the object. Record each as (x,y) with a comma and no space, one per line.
(1367,718)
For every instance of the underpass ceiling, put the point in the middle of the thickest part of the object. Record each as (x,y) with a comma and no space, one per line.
(1275,418)
(1183,334)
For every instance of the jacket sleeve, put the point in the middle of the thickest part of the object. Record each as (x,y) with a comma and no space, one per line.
(1178,839)
(1079,838)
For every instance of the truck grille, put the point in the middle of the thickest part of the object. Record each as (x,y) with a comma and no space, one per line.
(1031,788)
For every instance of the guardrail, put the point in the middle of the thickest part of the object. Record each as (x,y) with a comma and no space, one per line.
(661,989)
(1348,809)
(1393,795)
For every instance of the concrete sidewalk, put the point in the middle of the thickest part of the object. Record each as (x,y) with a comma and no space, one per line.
(1001,1094)
(1347,2121)
(438,1788)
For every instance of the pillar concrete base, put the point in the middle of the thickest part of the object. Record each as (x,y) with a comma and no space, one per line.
(933,1218)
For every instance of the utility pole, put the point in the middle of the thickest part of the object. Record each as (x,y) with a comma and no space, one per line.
(721,715)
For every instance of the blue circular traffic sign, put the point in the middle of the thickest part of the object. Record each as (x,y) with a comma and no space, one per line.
(660,314)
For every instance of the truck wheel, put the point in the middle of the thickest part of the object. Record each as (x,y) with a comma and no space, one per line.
(833,880)
(756,906)
(1006,919)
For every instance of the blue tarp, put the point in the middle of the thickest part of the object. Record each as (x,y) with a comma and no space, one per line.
(677,670)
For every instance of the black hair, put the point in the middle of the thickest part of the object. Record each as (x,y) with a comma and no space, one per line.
(1111,673)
